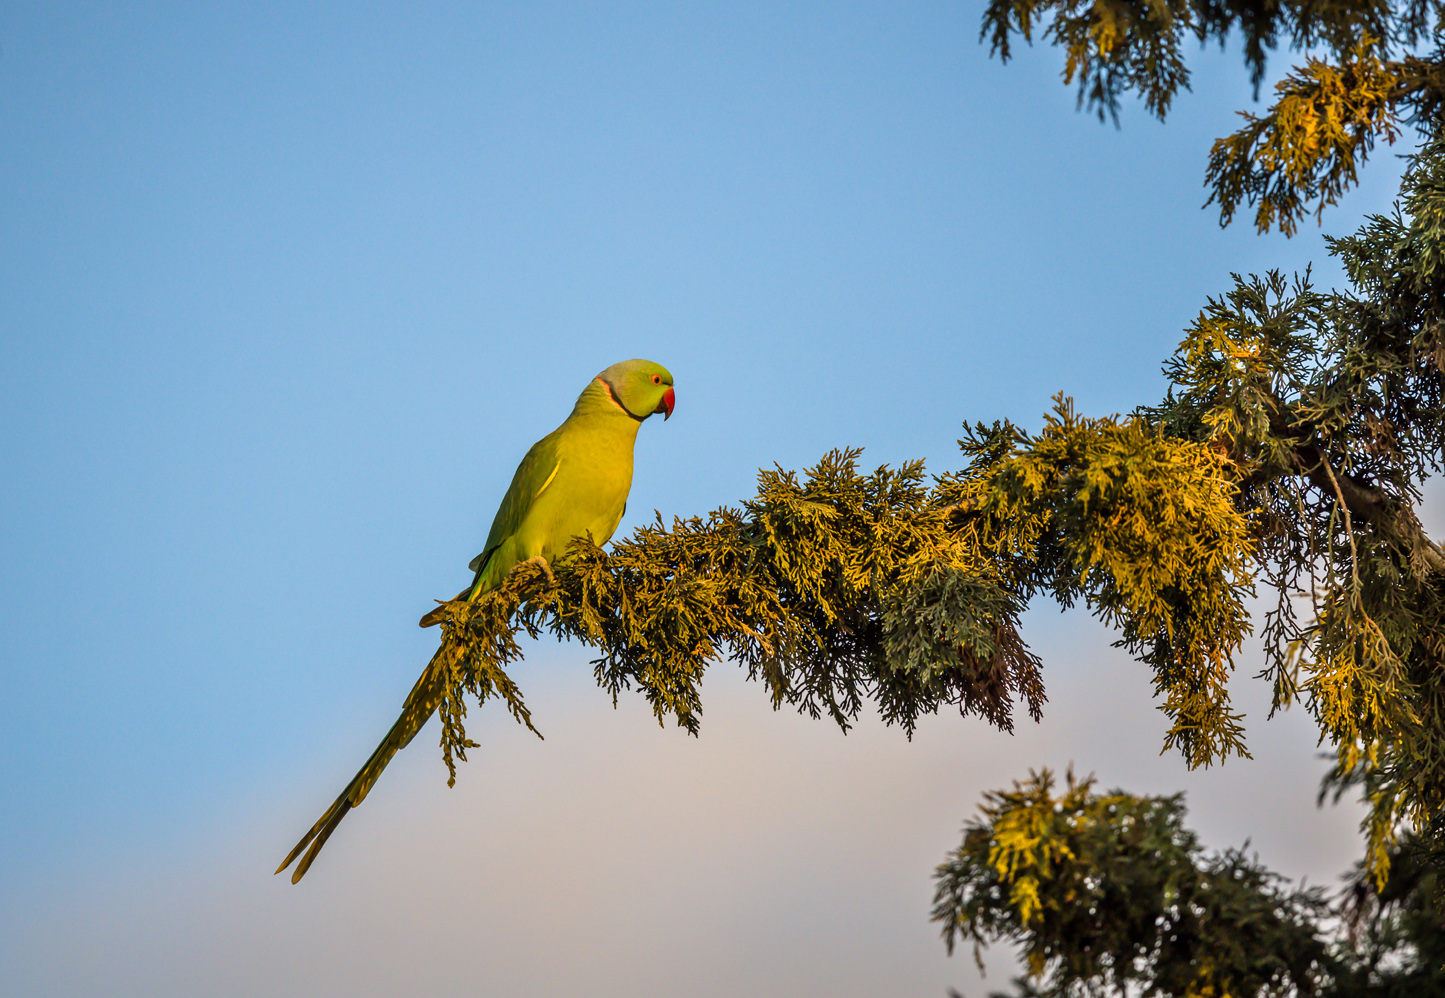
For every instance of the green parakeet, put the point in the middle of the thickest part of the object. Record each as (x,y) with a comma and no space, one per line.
(573,482)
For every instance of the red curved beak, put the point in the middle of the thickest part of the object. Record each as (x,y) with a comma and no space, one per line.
(665,406)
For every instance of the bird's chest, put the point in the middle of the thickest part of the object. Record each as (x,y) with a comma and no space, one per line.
(587,494)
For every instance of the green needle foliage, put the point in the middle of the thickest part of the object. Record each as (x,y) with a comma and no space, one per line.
(1110,894)
(1327,410)
(1375,66)
(1140,525)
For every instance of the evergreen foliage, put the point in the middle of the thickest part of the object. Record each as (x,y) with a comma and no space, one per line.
(1111,894)
(1107,894)
(1141,526)
(842,587)
(1379,65)
(1327,411)
(832,590)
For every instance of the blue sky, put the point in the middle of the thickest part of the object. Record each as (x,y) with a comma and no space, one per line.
(286,291)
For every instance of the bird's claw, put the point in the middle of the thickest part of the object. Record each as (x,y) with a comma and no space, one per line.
(541,562)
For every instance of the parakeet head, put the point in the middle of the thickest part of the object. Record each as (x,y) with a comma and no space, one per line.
(640,387)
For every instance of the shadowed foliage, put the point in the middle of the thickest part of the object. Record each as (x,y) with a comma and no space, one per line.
(1110,894)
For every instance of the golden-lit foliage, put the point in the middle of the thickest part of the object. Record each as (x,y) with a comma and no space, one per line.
(1373,64)
(1308,148)
(1111,894)
(1330,412)
(841,587)
(1144,528)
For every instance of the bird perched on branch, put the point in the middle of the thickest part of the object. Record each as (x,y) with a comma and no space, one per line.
(572,483)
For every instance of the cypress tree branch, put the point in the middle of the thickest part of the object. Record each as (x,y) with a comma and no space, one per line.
(1368,504)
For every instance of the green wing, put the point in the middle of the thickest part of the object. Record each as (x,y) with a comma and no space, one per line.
(533,475)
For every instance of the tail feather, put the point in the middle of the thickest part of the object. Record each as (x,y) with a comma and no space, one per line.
(479,565)
(420,704)
(435,616)
(316,838)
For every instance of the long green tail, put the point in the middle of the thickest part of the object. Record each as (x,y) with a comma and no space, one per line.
(420,704)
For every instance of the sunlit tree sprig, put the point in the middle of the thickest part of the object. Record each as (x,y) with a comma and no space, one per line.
(1372,67)
(1144,529)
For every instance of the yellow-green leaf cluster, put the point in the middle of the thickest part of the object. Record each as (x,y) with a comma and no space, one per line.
(1307,149)
(1371,65)
(1145,528)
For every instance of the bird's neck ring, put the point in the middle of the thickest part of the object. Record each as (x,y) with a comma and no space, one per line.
(613,399)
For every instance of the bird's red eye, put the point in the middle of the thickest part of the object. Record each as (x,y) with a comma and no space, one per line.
(657,379)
